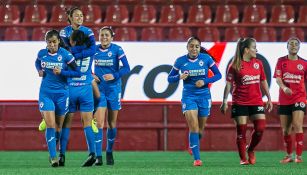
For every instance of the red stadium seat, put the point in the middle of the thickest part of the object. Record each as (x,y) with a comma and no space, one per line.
(117,14)
(125,34)
(38,33)
(156,2)
(254,14)
(152,34)
(286,33)
(58,14)
(15,34)
(144,14)
(302,16)
(209,34)
(282,14)
(233,34)
(171,14)
(91,13)
(199,14)
(9,14)
(179,34)
(35,14)
(227,14)
(265,34)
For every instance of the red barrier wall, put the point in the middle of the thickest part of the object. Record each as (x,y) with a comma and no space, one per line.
(147,126)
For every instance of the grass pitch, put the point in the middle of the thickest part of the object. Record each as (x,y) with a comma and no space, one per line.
(147,163)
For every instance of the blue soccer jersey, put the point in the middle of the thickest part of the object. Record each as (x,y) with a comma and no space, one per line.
(48,62)
(197,70)
(107,62)
(85,67)
(67,31)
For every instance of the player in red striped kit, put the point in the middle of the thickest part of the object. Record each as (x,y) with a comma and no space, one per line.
(290,75)
(246,76)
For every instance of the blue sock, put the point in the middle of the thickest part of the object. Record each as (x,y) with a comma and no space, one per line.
(64,140)
(90,139)
(111,135)
(98,142)
(194,144)
(50,140)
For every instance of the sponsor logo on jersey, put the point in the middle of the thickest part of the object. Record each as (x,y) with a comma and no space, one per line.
(50,65)
(256,65)
(291,78)
(250,79)
(197,72)
(104,62)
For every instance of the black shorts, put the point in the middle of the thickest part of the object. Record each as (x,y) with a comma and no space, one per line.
(242,110)
(288,109)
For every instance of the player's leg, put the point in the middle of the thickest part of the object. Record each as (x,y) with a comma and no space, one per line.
(297,122)
(100,118)
(111,135)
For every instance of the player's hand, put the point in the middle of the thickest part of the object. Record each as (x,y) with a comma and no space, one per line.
(41,73)
(269,106)
(57,71)
(184,76)
(224,108)
(108,77)
(199,83)
(96,78)
(287,91)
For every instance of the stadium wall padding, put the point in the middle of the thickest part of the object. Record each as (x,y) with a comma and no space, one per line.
(142,126)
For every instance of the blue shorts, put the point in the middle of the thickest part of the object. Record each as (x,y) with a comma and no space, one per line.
(110,97)
(81,98)
(54,101)
(202,105)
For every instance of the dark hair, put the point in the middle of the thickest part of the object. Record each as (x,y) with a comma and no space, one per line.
(52,33)
(294,38)
(109,28)
(79,37)
(70,11)
(205,51)
(193,38)
(241,45)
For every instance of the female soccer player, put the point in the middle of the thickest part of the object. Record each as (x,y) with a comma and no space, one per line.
(109,73)
(52,64)
(196,97)
(81,94)
(290,75)
(245,76)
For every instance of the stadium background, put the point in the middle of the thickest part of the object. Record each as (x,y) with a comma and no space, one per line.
(153,124)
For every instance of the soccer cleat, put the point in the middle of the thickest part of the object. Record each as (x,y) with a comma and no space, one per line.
(61,160)
(251,157)
(54,162)
(42,126)
(190,151)
(197,163)
(244,162)
(98,161)
(298,159)
(286,159)
(94,127)
(90,160)
(109,157)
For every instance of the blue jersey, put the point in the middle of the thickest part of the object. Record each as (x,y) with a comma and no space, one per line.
(197,70)
(67,31)
(107,62)
(85,67)
(48,62)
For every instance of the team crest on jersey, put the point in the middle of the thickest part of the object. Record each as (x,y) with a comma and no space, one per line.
(300,67)
(60,58)
(302,104)
(256,65)
(109,54)
(41,104)
(43,64)
(201,63)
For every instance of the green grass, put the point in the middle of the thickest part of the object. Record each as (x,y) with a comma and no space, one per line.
(146,163)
